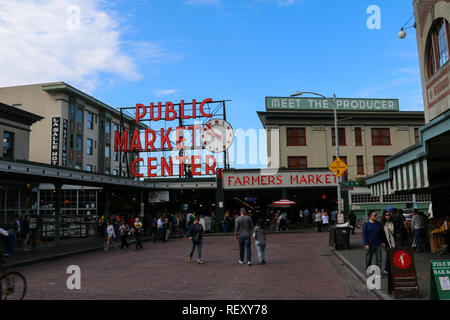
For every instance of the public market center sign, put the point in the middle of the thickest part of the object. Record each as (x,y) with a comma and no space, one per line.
(295,103)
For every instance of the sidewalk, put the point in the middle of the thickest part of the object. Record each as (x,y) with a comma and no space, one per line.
(356,257)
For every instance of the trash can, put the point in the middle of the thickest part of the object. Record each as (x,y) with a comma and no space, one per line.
(11,243)
(343,238)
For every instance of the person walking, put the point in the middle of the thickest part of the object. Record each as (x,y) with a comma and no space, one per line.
(401,227)
(306,215)
(25,233)
(137,230)
(124,229)
(110,236)
(243,231)
(390,233)
(160,229)
(352,220)
(333,216)
(259,233)
(166,228)
(374,239)
(195,234)
(318,220)
(325,221)
(418,226)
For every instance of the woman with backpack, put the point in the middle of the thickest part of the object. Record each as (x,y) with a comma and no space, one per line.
(259,233)
(391,234)
(195,234)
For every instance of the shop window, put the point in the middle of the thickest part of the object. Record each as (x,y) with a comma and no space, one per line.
(8,145)
(298,162)
(379,163)
(437,49)
(381,136)
(296,136)
(360,165)
(358,136)
(341,132)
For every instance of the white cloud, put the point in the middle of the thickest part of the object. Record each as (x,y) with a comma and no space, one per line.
(160,93)
(203,2)
(62,40)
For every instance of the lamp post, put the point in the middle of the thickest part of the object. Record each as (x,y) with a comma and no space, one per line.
(336,139)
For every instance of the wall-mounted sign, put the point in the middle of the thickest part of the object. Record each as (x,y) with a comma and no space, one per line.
(55,138)
(402,275)
(158,196)
(440,280)
(257,180)
(64,143)
(295,103)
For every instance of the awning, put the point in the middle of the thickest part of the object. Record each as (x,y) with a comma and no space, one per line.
(406,177)
(413,175)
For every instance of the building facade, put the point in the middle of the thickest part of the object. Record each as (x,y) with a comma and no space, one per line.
(426,165)
(77,130)
(305,137)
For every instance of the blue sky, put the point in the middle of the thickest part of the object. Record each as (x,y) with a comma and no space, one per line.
(140,51)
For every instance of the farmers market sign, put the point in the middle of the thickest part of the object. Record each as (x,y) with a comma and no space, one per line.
(277,103)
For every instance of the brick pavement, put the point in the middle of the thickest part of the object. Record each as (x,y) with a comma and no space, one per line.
(299,266)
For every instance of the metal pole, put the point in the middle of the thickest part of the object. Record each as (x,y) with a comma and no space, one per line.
(336,140)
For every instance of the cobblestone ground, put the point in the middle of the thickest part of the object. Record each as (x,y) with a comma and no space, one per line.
(299,266)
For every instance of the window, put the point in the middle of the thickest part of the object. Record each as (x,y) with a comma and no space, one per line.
(89,147)
(358,137)
(107,171)
(416,135)
(298,162)
(115,127)
(107,151)
(116,172)
(360,165)
(79,143)
(341,132)
(381,137)
(296,136)
(116,156)
(89,167)
(107,127)
(8,145)
(378,163)
(72,112)
(90,120)
(77,167)
(437,50)
(79,115)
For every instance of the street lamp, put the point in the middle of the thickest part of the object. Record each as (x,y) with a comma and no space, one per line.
(299,93)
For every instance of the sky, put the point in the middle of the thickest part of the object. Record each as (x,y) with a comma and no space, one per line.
(125,52)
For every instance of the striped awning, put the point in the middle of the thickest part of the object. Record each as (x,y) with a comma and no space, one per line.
(410,176)
(381,188)
(407,177)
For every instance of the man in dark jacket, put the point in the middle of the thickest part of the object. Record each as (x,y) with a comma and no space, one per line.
(243,231)
(374,239)
(352,220)
(195,234)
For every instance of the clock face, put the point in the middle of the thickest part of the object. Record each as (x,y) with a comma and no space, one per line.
(217,135)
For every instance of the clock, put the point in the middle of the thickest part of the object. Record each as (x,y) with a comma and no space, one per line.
(217,135)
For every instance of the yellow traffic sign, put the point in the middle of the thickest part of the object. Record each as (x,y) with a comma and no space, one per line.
(338,167)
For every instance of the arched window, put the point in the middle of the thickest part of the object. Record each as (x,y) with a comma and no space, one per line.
(437,53)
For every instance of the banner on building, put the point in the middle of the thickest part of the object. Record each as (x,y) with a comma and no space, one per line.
(55,139)
(64,143)
(280,103)
(285,179)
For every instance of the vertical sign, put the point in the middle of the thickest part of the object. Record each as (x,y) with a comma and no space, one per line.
(64,143)
(440,280)
(402,273)
(55,134)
